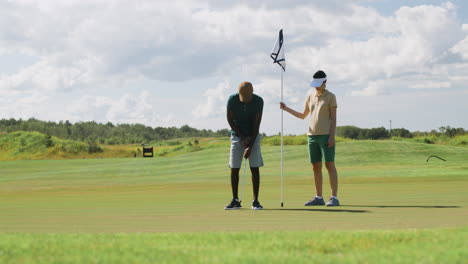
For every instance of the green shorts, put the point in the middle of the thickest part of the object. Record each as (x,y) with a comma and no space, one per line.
(318,145)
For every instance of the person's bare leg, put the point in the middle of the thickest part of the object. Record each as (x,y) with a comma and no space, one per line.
(235,182)
(333,175)
(318,178)
(255,182)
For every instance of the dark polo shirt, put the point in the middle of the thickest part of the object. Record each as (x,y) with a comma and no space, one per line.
(244,113)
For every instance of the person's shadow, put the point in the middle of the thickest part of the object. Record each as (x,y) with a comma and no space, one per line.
(404,206)
(360,211)
(319,210)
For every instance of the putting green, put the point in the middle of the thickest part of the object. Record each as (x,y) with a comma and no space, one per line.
(383,185)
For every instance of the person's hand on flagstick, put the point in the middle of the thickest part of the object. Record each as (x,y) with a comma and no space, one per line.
(283,106)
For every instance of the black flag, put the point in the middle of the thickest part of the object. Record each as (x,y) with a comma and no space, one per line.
(277,54)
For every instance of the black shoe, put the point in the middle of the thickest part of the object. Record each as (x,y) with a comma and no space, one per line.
(235,204)
(256,205)
(315,201)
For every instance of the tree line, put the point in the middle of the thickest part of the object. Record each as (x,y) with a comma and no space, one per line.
(382,133)
(112,134)
(108,133)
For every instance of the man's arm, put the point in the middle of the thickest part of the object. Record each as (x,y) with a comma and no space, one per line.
(255,127)
(230,119)
(254,133)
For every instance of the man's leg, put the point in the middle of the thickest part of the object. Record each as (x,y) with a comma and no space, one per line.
(333,175)
(235,203)
(255,182)
(235,161)
(235,182)
(318,177)
(255,162)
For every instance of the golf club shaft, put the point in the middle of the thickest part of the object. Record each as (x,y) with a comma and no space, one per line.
(243,179)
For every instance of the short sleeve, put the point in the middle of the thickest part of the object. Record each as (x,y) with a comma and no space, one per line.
(333,101)
(260,105)
(307,102)
(230,103)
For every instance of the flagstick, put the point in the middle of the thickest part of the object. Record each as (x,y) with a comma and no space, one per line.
(282,139)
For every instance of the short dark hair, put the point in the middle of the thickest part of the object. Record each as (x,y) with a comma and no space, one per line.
(319,74)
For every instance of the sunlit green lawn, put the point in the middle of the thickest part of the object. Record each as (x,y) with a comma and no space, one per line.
(395,205)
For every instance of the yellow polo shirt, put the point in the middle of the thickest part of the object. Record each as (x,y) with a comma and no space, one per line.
(320,112)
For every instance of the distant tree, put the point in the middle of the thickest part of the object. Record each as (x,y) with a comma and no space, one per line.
(442,129)
(401,132)
(348,131)
(106,133)
(48,142)
(22,145)
(451,132)
(223,132)
(196,146)
(93,147)
(378,133)
(23,142)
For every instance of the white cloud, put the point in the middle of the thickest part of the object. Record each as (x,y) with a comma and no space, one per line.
(85,46)
(461,48)
(465,27)
(48,77)
(431,85)
(129,108)
(215,100)
(372,89)
(421,37)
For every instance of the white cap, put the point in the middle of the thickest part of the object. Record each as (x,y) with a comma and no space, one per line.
(317,82)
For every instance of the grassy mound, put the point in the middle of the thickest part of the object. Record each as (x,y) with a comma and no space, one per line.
(459,140)
(34,145)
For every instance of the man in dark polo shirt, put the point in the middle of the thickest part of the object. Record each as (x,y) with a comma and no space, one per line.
(244,114)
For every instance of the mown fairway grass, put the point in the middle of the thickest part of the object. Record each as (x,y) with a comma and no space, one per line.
(396,207)
(406,246)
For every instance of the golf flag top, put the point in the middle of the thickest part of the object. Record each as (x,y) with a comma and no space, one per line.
(277,54)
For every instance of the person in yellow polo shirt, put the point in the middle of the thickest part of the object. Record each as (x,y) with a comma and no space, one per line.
(321,104)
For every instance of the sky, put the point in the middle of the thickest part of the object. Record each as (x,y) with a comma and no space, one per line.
(171,63)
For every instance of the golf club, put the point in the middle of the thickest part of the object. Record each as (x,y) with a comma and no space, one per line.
(243,180)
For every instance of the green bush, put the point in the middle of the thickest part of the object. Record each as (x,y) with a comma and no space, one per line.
(287,140)
(92,146)
(428,141)
(401,132)
(348,131)
(48,142)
